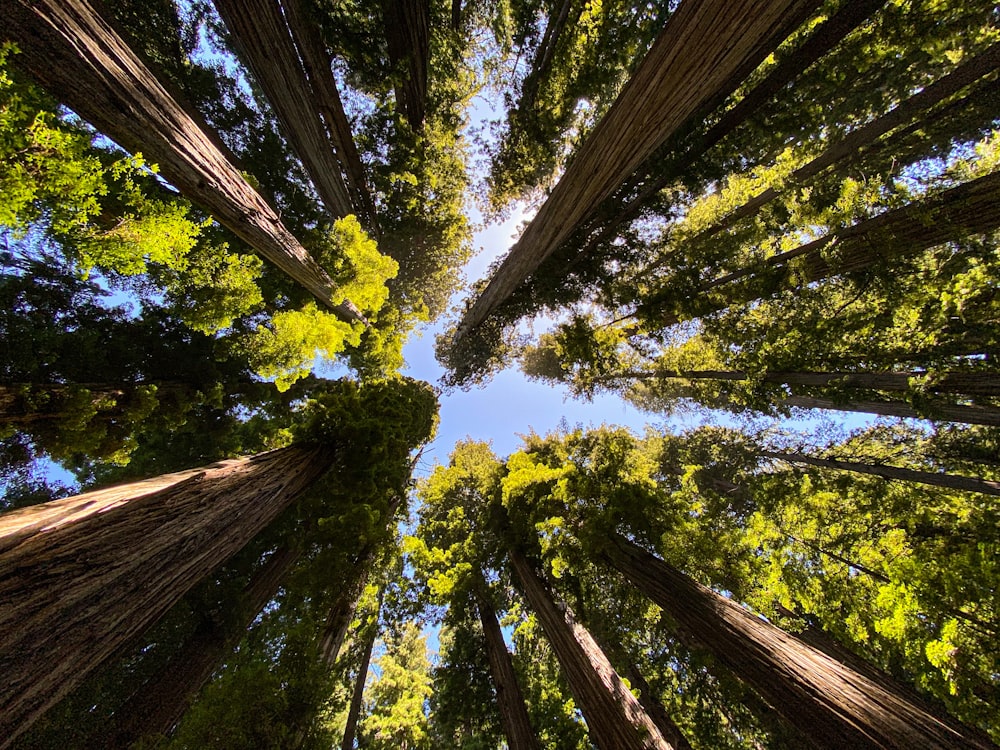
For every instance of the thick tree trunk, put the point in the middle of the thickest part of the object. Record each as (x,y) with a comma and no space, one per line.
(707,48)
(828,702)
(968,209)
(510,700)
(316,61)
(265,44)
(159,704)
(81,576)
(354,712)
(615,719)
(932,478)
(407,33)
(80,59)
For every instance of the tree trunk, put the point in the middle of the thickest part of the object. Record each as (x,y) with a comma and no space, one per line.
(78,57)
(265,44)
(544,54)
(354,713)
(24,403)
(706,50)
(828,702)
(159,704)
(510,700)
(975,414)
(615,719)
(81,576)
(407,33)
(932,478)
(968,209)
(316,61)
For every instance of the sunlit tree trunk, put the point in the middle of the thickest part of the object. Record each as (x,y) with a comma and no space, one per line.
(707,48)
(81,576)
(80,60)
(510,700)
(833,705)
(615,718)
(160,703)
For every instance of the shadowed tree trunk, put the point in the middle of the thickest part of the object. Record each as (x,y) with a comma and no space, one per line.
(357,697)
(160,703)
(407,32)
(510,700)
(558,18)
(932,478)
(615,718)
(81,576)
(973,414)
(706,50)
(833,705)
(265,44)
(80,60)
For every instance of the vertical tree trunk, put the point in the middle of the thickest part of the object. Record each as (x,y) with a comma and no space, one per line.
(80,59)
(80,576)
(828,702)
(707,48)
(932,478)
(354,712)
(407,33)
(615,719)
(513,711)
(161,702)
(265,44)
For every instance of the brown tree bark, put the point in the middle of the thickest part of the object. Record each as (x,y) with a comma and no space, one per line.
(968,209)
(81,576)
(615,718)
(79,59)
(407,32)
(833,705)
(707,48)
(974,414)
(354,712)
(510,700)
(265,44)
(159,704)
(932,478)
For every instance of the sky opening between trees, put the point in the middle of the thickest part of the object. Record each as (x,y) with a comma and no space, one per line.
(707,453)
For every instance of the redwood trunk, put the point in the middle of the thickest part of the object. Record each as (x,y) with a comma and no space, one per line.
(354,713)
(407,33)
(513,711)
(933,478)
(833,705)
(615,719)
(265,43)
(975,414)
(81,576)
(705,51)
(161,702)
(80,59)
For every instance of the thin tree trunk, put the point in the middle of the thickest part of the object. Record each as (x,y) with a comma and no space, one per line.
(510,700)
(615,719)
(354,712)
(706,50)
(407,32)
(968,209)
(25,403)
(81,576)
(316,61)
(159,704)
(544,55)
(79,58)
(975,414)
(932,478)
(265,44)
(828,702)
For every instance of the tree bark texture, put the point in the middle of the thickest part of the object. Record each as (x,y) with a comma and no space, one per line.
(357,696)
(407,26)
(707,48)
(932,478)
(971,208)
(78,57)
(81,576)
(833,705)
(159,704)
(265,44)
(510,700)
(615,718)
(316,62)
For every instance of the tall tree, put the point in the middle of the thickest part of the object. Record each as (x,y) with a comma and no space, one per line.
(79,58)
